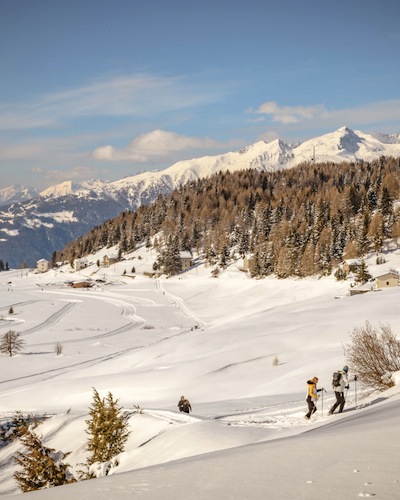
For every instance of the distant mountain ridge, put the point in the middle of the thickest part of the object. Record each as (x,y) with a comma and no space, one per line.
(16,193)
(33,229)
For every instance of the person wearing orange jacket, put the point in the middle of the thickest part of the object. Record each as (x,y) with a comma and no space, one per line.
(312,396)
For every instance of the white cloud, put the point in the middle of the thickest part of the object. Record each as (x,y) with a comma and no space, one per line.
(155,145)
(374,113)
(132,95)
(290,114)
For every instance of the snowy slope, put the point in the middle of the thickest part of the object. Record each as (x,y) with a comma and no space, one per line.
(213,340)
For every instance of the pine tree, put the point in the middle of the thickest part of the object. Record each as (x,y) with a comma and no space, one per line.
(13,429)
(362,274)
(107,428)
(42,467)
(170,256)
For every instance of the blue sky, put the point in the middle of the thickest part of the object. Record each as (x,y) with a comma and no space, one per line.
(105,89)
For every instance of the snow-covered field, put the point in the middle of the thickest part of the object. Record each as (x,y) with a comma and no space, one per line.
(213,340)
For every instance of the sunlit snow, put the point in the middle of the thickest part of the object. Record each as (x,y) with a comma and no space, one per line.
(214,340)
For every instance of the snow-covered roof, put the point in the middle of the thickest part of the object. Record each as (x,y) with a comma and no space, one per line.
(352,262)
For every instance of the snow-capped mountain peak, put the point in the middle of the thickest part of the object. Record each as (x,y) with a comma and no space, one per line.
(16,193)
(69,187)
(34,229)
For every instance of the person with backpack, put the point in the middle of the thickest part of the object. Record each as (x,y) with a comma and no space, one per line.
(312,396)
(340,382)
(184,405)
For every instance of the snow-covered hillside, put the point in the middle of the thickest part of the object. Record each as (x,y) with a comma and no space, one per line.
(214,340)
(32,230)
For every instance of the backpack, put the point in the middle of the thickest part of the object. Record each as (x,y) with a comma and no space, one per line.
(336,379)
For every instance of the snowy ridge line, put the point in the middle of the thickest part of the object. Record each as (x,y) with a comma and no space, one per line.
(264,420)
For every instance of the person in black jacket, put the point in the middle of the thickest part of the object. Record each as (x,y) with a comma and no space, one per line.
(184,405)
(339,390)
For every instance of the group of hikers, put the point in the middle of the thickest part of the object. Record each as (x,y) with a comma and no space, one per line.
(340,382)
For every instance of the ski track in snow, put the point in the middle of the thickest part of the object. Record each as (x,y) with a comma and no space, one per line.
(179,303)
(53,319)
(288,414)
(128,311)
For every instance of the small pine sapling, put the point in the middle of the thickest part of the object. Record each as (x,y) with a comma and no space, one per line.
(42,467)
(107,428)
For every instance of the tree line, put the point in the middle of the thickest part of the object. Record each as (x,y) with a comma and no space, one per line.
(296,222)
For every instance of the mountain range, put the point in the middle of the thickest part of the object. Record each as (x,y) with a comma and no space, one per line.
(31,228)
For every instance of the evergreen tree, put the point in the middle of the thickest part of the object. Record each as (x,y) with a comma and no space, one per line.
(372,199)
(54,259)
(376,232)
(170,256)
(362,236)
(362,274)
(13,429)
(42,467)
(107,428)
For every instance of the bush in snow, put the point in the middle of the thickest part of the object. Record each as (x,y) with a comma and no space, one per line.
(107,428)
(58,348)
(373,353)
(11,343)
(42,467)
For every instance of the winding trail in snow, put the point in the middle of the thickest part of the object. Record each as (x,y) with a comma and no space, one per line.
(128,312)
(180,303)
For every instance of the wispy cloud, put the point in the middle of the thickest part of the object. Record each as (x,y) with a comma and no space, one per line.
(289,114)
(132,95)
(372,114)
(155,145)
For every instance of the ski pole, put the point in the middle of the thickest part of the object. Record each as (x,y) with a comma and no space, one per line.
(322,402)
(355,389)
